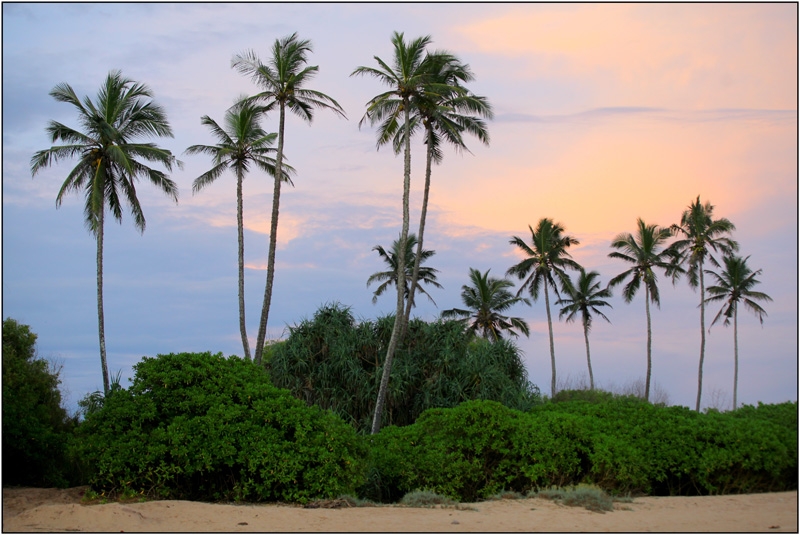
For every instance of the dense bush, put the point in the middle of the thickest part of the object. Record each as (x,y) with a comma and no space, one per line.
(201,426)
(336,363)
(35,425)
(623,445)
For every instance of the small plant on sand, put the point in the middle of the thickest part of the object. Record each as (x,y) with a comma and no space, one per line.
(589,496)
(425,498)
(507,495)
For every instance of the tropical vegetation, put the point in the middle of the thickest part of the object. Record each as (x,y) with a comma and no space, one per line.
(426,274)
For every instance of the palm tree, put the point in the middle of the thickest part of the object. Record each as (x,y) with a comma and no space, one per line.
(241,143)
(389,277)
(734,285)
(111,156)
(486,299)
(701,233)
(645,252)
(585,297)
(546,256)
(282,79)
(407,79)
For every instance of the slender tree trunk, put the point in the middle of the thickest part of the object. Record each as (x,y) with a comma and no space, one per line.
(588,357)
(649,343)
(240,224)
(735,351)
(702,338)
(273,237)
(422,217)
(399,328)
(552,347)
(101,328)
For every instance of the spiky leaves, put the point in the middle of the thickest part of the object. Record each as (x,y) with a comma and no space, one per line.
(389,277)
(486,299)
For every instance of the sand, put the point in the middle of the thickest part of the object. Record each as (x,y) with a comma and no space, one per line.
(31,509)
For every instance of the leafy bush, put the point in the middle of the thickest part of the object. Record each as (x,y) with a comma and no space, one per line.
(336,363)
(201,426)
(425,498)
(586,496)
(35,425)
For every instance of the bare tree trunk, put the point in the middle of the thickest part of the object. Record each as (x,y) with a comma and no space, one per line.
(101,328)
(702,338)
(399,328)
(649,343)
(273,237)
(588,357)
(735,351)
(240,224)
(552,347)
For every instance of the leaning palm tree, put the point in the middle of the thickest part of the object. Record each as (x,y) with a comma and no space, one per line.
(282,79)
(584,298)
(645,252)
(546,256)
(735,285)
(241,143)
(486,301)
(389,277)
(406,78)
(111,155)
(700,234)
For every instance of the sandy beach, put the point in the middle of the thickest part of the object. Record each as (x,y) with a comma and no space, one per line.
(48,510)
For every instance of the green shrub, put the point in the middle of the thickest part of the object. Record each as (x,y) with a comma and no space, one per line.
(425,498)
(35,425)
(203,427)
(586,496)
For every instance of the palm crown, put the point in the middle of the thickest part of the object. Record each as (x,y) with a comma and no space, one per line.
(388,278)
(734,285)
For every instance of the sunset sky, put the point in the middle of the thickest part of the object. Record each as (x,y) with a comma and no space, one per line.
(603,113)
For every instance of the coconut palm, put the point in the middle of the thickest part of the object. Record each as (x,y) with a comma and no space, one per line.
(111,155)
(584,298)
(241,143)
(733,286)
(700,234)
(389,277)
(644,252)
(406,78)
(546,256)
(486,299)
(282,79)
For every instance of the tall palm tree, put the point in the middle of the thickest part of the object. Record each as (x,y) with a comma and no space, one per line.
(111,155)
(584,298)
(389,277)
(486,300)
(546,256)
(241,143)
(407,78)
(733,286)
(700,234)
(282,79)
(644,252)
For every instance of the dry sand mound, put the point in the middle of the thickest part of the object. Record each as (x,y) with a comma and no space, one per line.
(27,509)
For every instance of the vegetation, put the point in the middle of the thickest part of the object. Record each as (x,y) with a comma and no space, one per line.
(111,160)
(389,277)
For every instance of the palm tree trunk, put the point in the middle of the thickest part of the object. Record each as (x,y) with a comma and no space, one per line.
(399,328)
(240,224)
(101,328)
(588,358)
(702,338)
(649,343)
(552,347)
(735,351)
(422,217)
(273,240)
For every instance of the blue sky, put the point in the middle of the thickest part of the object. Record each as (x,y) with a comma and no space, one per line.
(603,113)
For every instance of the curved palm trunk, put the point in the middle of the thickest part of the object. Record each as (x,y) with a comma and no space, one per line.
(101,328)
(649,343)
(422,217)
(735,351)
(273,237)
(588,358)
(702,339)
(399,323)
(240,224)
(552,347)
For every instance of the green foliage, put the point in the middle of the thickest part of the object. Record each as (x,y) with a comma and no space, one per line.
(425,498)
(201,426)
(35,426)
(623,446)
(336,363)
(588,496)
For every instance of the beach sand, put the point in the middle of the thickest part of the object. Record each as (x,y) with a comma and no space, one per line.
(33,509)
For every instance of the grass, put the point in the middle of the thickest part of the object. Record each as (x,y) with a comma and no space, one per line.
(428,499)
(588,496)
